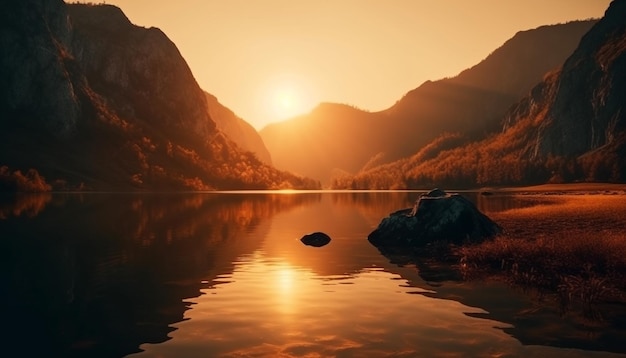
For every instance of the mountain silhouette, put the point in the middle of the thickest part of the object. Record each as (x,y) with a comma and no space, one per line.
(339,138)
(92,101)
(332,137)
(569,127)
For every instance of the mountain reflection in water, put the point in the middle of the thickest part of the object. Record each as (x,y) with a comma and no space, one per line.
(196,275)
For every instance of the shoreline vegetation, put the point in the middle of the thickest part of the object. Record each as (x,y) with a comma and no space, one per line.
(14,181)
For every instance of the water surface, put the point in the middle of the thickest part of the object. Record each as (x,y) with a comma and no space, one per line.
(204,275)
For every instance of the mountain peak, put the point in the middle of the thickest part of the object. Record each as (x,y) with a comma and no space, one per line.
(101,16)
(330,107)
(615,11)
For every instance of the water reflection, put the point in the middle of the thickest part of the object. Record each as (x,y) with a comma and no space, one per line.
(100,274)
(272,308)
(186,275)
(15,205)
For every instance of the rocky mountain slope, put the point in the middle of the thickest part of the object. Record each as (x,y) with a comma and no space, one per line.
(472,103)
(580,111)
(96,102)
(240,131)
(582,106)
(570,127)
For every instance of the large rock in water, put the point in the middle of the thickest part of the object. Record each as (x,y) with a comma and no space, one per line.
(436,216)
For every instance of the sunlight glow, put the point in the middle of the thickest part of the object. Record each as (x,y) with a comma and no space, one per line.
(287,96)
(286,100)
(286,103)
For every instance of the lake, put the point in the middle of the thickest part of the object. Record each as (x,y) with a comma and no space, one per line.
(225,275)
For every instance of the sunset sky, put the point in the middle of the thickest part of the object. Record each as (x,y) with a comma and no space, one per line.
(269,60)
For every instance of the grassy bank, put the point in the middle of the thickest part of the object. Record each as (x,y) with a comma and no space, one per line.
(574,247)
(581,269)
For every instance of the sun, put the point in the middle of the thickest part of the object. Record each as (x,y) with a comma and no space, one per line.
(288,97)
(286,102)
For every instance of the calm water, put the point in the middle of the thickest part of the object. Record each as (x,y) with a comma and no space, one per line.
(209,275)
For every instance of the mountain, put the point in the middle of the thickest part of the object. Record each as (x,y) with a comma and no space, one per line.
(92,101)
(240,131)
(471,103)
(330,138)
(570,127)
(581,110)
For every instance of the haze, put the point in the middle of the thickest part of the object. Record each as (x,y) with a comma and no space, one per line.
(274,59)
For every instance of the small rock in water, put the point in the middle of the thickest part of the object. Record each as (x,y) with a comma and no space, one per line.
(316,239)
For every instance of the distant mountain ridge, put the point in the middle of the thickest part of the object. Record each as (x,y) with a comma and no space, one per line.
(471,103)
(474,101)
(90,99)
(329,138)
(570,127)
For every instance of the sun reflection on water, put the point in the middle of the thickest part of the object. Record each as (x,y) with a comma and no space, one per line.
(269,307)
(286,288)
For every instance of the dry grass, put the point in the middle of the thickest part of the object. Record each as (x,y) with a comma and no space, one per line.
(573,246)
(572,187)
(581,269)
(557,215)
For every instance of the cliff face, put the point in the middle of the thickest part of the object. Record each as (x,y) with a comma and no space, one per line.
(89,98)
(40,84)
(587,110)
(240,131)
(140,71)
(581,108)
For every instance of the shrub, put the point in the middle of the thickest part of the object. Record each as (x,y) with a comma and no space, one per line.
(15,181)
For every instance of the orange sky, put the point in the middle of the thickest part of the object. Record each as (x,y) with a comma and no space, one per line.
(268,60)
